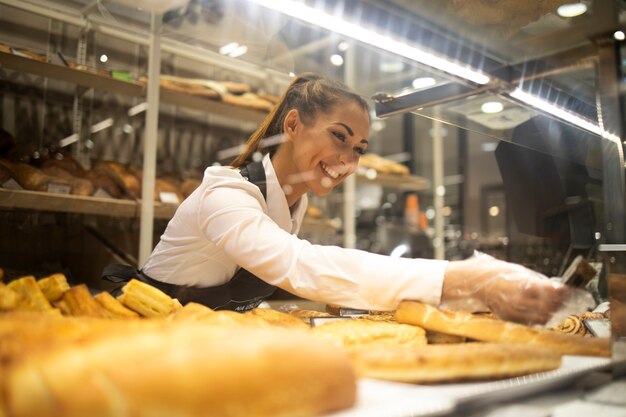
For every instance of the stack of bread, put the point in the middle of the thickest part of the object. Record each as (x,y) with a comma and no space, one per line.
(382,165)
(66,352)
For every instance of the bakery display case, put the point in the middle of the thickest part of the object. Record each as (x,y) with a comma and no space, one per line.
(495,127)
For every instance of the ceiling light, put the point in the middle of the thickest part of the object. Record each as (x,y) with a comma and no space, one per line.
(488,146)
(104,58)
(105,124)
(228,48)
(423,82)
(492,107)
(334,24)
(563,114)
(494,211)
(391,67)
(619,35)
(343,46)
(571,9)
(336,60)
(238,51)
(135,110)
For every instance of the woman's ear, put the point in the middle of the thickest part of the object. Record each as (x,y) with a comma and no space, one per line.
(291,124)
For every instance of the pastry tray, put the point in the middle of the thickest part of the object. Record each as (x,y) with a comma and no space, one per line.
(381,398)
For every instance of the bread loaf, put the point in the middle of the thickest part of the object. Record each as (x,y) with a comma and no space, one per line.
(184,370)
(122,177)
(493,330)
(355,333)
(277,318)
(453,362)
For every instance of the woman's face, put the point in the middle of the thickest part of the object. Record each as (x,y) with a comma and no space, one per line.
(327,150)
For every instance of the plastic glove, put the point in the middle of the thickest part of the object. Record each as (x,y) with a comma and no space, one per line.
(510,291)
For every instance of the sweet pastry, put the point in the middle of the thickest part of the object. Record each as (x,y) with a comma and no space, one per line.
(27,288)
(112,308)
(354,333)
(53,286)
(493,330)
(9,299)
(277,318)
(146,300)
(77,301)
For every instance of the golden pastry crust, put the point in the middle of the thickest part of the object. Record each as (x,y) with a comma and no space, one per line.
(453,362)
(355,333)
(147,300)
(53,286)
(492,330)
(34,298)
(277,318)
(112,308)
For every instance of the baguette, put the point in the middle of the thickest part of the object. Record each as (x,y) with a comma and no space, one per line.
(453,362)
(185,369)
(493,330)
(355,333)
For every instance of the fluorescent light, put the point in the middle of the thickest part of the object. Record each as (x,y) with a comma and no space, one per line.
(336,60)
(135,110)
(391,67)
(233,49)
(68,140)
(334,24)
(562,114)
(228,48)
(423,82)
(492,107)
(105,124)
(571,9)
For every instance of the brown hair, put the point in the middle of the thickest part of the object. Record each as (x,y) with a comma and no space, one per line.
(309,94)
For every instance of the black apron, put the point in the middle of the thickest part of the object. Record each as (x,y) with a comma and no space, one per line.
(243,292)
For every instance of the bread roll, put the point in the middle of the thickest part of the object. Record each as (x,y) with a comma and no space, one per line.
(53,286)
(185,369)
(122,177)
(101,179)
(453,362)
(493,330)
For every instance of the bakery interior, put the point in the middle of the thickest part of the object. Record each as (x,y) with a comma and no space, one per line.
(496,126)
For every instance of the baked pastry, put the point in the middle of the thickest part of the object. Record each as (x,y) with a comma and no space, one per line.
(112,308)
(307,315)
(493,330)
(34,298)
(277,318)
(382,165)
(453,362)
(355,333)
(9,299)
(571,325)
(184,369)
(53,286)
(77,301)
(122,177)
(79,186)
(438,338)
(146,300)
(101,179)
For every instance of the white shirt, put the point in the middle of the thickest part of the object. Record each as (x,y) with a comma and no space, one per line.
(226,224)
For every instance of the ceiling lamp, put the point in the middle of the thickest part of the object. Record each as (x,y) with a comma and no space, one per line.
(423,82)
(492,107)
(337,25)
(336,60)
(571,9)
(233,49)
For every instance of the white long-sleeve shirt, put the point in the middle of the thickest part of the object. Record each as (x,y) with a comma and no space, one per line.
(226,224)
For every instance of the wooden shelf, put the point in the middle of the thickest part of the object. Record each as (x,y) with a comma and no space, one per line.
(128,88)
(407,183)
(36,200)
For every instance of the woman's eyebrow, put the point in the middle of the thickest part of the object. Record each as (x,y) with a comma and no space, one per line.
(350,132)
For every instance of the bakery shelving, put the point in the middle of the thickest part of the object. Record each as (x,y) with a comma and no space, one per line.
(128,88)
(43,201)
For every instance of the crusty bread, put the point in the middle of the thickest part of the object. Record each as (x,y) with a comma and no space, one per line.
(112,308)
(53,286)
(453,362)
(185,369)
(9,299)
(493,330)
(366,333)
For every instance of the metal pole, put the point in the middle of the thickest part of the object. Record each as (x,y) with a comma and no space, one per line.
(349,185)
(150,141)
(439,190)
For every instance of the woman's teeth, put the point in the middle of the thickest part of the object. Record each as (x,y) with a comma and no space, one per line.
(329,171)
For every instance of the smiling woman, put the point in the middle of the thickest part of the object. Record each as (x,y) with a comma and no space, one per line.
(233,241)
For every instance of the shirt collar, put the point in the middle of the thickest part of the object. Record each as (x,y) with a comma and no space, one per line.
(277,206)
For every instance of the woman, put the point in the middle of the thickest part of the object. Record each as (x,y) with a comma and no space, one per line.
(233,240)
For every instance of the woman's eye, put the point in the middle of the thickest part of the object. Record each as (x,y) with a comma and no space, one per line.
(340,136)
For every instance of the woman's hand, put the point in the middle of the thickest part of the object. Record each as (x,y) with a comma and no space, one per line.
(510,291)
